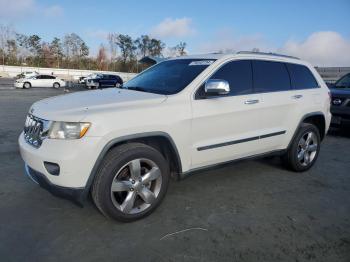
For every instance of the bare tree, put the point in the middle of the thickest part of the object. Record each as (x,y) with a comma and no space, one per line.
(75,48)
(126,46)
(6,34)
(143,43)
(101,58)
(112,46)
(56,50)
(156,47)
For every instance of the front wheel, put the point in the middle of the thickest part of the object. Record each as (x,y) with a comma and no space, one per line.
(131,182)
(56,85)
(27,85)
(304,149)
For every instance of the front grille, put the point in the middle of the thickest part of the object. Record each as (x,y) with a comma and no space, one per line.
(35,129)
(337,101)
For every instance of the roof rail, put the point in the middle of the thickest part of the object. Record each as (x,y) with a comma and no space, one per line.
(262,53)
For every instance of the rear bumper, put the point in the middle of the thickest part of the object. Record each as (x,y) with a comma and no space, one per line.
(77,195)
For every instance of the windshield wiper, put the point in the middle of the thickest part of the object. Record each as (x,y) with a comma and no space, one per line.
(147,90)
(136,88)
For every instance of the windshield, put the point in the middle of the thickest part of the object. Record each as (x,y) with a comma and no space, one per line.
(343,82)
(168,77)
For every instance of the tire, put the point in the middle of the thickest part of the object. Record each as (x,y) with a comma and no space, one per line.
(127,202)
(26,85)
(304,148)
(56,85)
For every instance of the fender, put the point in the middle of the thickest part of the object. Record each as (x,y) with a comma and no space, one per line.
(317,113)
(117,140)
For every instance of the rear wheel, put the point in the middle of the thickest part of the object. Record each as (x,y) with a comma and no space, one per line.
(304,149)
(27,85)
(131,182)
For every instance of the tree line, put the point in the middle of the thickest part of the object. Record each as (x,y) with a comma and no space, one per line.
(121,52)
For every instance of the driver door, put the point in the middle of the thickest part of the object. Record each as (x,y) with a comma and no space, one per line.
(226,127)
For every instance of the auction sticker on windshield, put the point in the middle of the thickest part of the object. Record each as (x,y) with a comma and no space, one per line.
(201,63)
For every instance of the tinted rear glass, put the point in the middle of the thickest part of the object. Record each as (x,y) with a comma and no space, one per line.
(270,76)
(301,77)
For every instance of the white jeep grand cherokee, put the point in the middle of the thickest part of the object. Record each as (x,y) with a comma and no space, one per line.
(177,117)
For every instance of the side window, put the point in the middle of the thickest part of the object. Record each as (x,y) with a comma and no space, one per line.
(270,76)
(52,77)
(301,77)
(239,76)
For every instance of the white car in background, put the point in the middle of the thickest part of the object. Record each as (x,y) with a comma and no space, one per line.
(40,81)
(28,74)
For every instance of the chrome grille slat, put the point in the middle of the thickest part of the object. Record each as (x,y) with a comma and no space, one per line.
(34,130)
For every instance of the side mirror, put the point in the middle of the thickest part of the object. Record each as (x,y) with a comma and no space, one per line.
(216,87)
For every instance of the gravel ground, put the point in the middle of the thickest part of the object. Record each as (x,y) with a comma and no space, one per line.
(249,211)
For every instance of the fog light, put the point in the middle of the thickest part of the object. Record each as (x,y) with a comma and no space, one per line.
(52,168)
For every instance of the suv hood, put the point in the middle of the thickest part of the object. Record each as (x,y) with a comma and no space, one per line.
(75,106)
(340,91)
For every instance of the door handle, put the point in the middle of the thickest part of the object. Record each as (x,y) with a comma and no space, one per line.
(297,96)
(250,102)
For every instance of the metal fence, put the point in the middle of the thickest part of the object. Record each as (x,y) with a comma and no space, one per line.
(332,74)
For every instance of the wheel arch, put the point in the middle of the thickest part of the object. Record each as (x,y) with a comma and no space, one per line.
(161,141)
(316,118)
(27,82)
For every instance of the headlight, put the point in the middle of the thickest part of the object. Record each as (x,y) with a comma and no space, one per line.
(68,130)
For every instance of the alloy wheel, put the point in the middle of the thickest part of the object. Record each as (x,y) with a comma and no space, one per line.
(136,186)
(307,148)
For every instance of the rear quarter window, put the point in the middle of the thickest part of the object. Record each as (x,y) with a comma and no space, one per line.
(301,77)
(269,76)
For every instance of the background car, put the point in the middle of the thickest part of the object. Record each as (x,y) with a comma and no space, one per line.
(40,81)
(104,80)
(27,74)
(340,106)
(82,80)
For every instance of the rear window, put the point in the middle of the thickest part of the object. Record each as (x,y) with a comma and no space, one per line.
(301,77)
(270,76)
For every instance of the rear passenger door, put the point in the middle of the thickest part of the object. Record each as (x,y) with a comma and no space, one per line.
(226,127)
(38,81)
(278,107)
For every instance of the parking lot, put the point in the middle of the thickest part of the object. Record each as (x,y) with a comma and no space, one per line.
(248,211)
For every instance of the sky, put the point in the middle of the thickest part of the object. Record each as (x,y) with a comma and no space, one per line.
(317,31)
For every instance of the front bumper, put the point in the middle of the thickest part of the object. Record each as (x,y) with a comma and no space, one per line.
(340,115)
(77,195)
(91,84)
(75,158)
(18,85)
